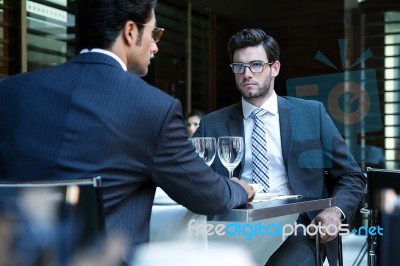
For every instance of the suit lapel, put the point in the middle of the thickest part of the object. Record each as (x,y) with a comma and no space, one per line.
(286,119)
(235,121)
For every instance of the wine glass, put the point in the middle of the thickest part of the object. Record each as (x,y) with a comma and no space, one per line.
(206,147)
(230,152)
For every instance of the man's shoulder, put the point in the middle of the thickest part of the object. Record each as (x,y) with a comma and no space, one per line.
(225,111)
(299,102)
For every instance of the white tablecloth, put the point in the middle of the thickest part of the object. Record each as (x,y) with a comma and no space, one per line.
(170,223)
(261,247)
(176,223)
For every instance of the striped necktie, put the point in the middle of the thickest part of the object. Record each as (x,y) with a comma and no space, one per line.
(259,150)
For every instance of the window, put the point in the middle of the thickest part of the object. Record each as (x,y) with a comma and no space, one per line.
(392,88)
(380,31)
(10,38)
(47,33)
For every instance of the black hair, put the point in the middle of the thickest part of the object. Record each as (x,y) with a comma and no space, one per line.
(198,113)
(254,37)
(99,22)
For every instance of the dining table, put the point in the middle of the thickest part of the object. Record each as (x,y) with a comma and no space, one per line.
(260,227)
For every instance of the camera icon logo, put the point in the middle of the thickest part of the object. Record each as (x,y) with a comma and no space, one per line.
(350,97)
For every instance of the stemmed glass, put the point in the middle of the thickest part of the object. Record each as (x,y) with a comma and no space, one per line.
(230,152)
(206,147)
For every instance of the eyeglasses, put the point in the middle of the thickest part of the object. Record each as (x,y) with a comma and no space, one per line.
(255,67)
(156,33)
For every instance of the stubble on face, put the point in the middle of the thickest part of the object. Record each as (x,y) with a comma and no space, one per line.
(260,93)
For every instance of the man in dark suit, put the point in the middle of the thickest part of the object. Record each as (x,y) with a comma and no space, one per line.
(95,116)
(302,144)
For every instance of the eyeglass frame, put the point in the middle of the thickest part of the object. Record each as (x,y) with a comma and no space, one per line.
(249,65)
(156,30)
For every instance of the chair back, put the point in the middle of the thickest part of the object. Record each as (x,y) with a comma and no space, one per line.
(383,193)
(379,180)
(53,218)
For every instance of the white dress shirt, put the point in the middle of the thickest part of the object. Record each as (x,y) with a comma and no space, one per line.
(277,174)
(102,51)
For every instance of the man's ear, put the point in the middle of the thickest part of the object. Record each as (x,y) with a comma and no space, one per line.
(129,32)
(275,67)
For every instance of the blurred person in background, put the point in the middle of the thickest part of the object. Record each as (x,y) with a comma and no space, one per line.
(193,121)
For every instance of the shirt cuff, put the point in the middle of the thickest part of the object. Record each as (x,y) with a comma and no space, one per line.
(343,216)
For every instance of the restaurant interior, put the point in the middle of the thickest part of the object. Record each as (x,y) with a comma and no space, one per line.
(351,47)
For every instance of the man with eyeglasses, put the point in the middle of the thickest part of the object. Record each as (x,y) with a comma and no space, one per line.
(291,146)
(95,116)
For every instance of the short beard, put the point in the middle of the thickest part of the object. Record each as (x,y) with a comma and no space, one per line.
(260,93)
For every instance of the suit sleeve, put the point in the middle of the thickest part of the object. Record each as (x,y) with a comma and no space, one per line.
(349,182)
(184,176)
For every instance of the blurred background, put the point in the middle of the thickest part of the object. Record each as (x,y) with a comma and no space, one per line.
(357,42)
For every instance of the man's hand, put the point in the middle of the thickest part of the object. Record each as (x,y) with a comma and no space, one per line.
(330,216)
(249,189)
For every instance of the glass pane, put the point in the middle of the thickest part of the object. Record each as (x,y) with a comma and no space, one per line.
(392,87)
(169,69)
(8,33)
(48,36)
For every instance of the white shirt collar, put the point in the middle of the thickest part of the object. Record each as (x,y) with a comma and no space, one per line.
(271,105)
(102,51)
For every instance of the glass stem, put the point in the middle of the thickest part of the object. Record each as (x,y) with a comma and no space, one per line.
(230,174)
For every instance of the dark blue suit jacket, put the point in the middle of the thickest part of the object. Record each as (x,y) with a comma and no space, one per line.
(87,118)
(311,145)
